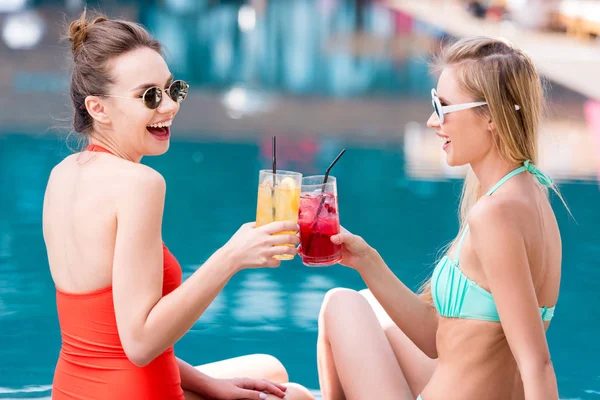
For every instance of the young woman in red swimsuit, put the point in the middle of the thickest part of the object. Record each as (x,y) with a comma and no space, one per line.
(120,300)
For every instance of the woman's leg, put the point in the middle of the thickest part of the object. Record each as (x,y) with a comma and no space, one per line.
(416,366)
(256,366)
(355,358)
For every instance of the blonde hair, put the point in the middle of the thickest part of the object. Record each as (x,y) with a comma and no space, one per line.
(495,71)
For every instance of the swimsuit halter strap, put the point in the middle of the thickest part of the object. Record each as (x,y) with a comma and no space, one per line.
(504,179)
(98,149)
(541,177)
(528,166)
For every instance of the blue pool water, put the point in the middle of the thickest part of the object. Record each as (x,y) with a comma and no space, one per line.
(392,189)
(273,311)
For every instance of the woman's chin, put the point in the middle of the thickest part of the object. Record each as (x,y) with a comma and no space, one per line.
(454,162)
(450,160)
(157,145)
(161,148)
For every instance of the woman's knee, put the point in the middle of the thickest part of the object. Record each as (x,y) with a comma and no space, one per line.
(254,366)
(337,298)
(340,300)
(384,319)
(273,369)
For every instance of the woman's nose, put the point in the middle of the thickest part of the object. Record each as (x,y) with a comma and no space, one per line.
(433,121)
(168,105)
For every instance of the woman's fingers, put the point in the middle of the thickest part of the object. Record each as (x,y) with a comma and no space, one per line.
(280,386)
(250,394)
(270,387)
(257,389)
(281,250)
(273,262)
(284,239)
(280,226)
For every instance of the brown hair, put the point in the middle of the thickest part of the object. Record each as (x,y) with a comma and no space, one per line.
(93,45)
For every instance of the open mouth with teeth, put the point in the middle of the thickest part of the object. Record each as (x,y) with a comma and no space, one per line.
(446,140)
(161,130)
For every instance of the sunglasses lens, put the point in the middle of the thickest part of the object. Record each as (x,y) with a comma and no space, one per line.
(153,97)
(178,91)
(438,112)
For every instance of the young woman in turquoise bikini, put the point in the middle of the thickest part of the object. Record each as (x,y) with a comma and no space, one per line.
(477,329)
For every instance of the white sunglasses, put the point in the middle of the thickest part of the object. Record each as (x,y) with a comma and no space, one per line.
(440,110)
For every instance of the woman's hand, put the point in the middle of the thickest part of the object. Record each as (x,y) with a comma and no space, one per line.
(242,388)
(252,247)
(354,249)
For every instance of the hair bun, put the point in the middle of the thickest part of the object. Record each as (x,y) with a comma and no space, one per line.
(78,30)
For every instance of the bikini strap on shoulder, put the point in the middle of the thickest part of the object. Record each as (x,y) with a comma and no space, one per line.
(542,178)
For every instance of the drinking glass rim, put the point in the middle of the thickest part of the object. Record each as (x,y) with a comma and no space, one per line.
(330,181)
(280,172)
(321,177)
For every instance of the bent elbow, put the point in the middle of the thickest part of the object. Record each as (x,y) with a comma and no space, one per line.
(139,361)
(536,368)
(137,354)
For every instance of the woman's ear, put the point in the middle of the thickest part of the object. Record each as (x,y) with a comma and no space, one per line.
(96,109)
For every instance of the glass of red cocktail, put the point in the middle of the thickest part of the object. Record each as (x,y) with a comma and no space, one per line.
(319,220)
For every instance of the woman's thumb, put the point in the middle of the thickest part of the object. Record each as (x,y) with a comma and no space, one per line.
(341,238)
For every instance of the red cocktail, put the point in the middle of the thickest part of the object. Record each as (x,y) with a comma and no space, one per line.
(319,220)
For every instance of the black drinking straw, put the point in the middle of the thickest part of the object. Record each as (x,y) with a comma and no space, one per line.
(322,196)
(274,174)
(329,169)
(274,157)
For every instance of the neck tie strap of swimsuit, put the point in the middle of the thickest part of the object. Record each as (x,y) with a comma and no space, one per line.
(542,178)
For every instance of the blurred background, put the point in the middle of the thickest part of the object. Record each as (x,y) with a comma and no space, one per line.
(321,75)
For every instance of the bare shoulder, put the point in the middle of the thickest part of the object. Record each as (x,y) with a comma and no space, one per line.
(60,175)
(142,175)
(140,201)
(122,174)
(62,166)
(498,233)
(498,213)
(140,180)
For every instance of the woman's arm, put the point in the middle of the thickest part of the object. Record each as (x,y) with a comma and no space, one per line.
(149,323)
(201,384)
(192,379)
(415,317)
(500,247)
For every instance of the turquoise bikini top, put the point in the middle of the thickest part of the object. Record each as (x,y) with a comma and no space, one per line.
(454,294)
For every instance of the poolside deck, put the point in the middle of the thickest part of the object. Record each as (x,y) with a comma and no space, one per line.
(564,59)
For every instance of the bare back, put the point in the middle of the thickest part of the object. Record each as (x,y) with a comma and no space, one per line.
(79,219)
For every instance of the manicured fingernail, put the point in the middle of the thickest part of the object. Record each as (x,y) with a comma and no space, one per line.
(263,396)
